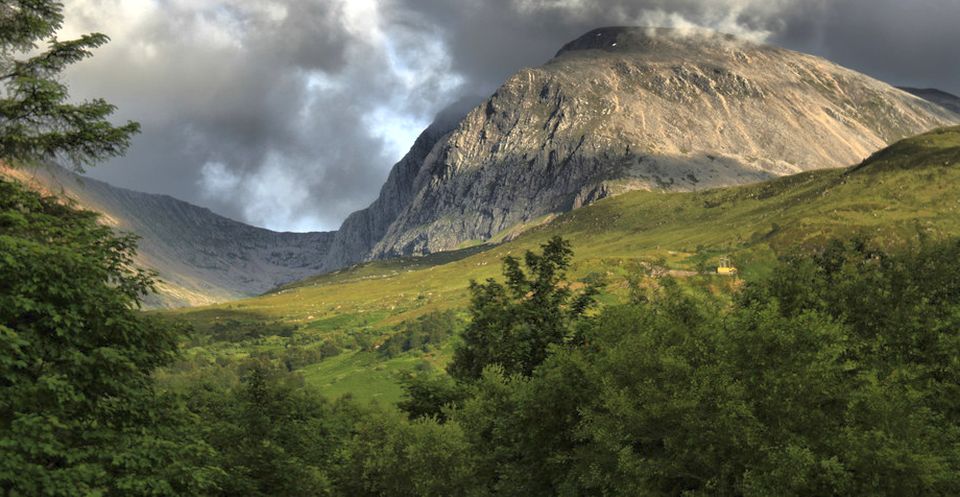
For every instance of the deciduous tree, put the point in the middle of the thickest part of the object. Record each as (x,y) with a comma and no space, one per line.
(514,325)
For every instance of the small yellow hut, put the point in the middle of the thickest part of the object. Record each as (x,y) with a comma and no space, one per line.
(726,266)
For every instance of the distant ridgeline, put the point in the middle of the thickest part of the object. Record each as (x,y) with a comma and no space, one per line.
(201,257)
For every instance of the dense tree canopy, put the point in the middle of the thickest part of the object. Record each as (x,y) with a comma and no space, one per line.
(837,375)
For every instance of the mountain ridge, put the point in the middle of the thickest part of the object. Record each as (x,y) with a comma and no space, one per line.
(944,99)
(201,257)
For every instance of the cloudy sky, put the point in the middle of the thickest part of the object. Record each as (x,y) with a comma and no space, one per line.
(288,114)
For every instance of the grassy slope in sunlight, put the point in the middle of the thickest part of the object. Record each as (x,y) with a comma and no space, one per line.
(906,192)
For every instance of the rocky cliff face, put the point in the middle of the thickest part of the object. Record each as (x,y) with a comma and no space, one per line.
(201,257)
(364,229)
(628,108)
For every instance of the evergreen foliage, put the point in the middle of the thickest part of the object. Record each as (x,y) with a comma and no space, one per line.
(79,412)
(37,122)
(272,437)
(431,395)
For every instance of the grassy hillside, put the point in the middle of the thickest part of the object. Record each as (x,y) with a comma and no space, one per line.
(902,194)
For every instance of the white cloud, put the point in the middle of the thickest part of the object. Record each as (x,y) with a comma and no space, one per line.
(273,195)
(217,180)
(725,21)
(124,18)
(362,19)
(397,130)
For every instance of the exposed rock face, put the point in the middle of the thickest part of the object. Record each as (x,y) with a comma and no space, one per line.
(946,100)
(628,108)
(363,229)
(202,258)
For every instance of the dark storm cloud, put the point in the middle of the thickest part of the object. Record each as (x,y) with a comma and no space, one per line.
(905,42)
(280,113)
(913,43)
(289,113)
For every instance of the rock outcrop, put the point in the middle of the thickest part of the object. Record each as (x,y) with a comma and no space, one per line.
(364,229)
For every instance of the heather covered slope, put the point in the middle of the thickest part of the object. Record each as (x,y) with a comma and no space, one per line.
(905,193)
(201,258)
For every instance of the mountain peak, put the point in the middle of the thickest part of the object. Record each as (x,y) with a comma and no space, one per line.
(649,39)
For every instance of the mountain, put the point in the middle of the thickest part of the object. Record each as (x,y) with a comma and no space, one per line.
(898,196)
(201,257)
(618,109)
(946,100)
(625,109)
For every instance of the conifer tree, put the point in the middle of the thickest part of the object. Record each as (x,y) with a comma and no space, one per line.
(37,122)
